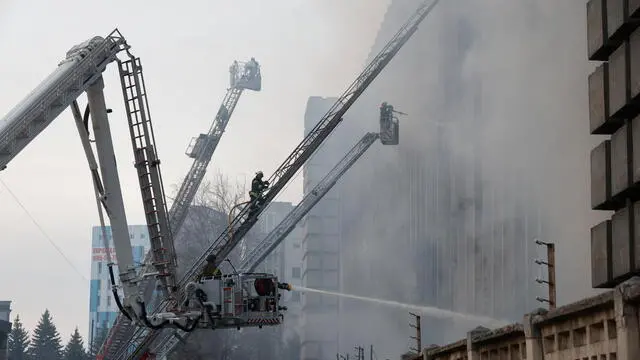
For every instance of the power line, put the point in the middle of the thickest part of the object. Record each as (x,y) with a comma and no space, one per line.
(42,230)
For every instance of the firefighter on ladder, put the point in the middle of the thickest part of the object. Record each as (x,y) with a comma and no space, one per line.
(258,186)
(210,269)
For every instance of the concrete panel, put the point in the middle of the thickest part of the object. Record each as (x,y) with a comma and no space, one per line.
(635,151)
(599,102)
(601,176)
(601,271)
(620,179)
(634,65)
(619,24)
(616,15)
(634,9)
(621,243)
(619,91)
(636,235)
(597,30)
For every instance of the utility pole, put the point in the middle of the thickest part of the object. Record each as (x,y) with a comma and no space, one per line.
(418,337)
(551,273)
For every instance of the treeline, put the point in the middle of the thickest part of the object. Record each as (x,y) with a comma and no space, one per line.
(45,343)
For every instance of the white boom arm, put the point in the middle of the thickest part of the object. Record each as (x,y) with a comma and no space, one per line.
(83,65)
(80,72)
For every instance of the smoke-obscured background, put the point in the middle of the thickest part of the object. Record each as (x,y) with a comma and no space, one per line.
(494,153)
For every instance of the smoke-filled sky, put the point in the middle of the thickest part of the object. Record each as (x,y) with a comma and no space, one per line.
(524,77)
(532,63)
(311,47)
(530,59)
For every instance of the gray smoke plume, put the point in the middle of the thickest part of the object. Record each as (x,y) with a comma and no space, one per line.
(494,153)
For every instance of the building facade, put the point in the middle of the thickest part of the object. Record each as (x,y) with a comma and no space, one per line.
(5,328)
(286,263)
(448,218)
(103,310)
(321,242)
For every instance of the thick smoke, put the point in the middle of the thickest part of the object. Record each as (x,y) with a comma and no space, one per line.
(494,153)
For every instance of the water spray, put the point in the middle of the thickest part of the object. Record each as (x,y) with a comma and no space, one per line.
(426,310)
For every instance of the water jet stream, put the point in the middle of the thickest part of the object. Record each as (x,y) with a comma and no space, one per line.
(426,310)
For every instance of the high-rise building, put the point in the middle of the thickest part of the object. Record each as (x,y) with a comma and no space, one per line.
(5,328)
(285,262)
(103,310)
(321,241)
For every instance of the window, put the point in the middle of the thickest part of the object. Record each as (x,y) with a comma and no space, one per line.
(100,267)
(98,300)
(296,246)
(108,301)
(295,297)
(131,236)
(295,272)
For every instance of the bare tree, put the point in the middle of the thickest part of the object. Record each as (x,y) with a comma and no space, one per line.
(207,218)
(220,193)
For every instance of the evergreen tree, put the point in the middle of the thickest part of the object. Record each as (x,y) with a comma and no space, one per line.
(18,341)
(98,339)
(46,343)
(75,348)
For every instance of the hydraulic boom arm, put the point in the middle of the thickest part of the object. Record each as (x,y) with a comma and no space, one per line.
(201,150)
(83,65)
(80,72)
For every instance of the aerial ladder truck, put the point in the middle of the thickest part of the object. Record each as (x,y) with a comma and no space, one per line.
(145,338)
(243,76)
(388,135)
(80,72)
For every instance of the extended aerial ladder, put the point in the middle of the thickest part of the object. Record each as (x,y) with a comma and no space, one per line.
(242,223)
(243,76)
(388,135)
(80,72)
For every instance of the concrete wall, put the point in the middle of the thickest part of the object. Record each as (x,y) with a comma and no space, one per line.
(603,327)
(614,107)
(321,246)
